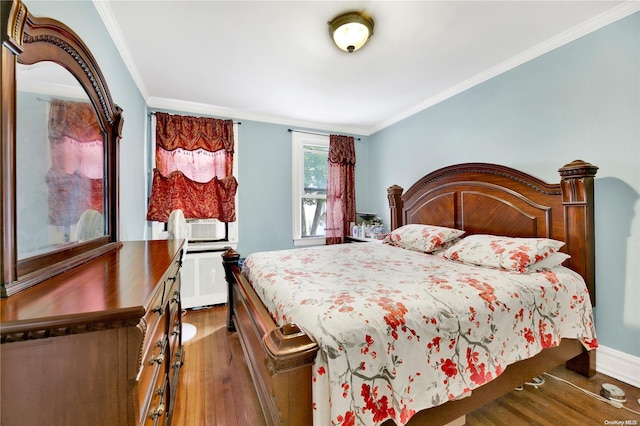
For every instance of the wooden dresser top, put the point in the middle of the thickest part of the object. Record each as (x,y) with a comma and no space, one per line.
(117,286)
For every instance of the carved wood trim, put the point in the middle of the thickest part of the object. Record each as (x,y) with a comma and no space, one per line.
(142,326)
(45,333)
(15,14)
(482,168)
(84,66)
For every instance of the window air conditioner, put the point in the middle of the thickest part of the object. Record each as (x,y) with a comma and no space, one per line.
(202,230)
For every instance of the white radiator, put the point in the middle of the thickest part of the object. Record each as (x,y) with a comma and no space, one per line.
(203,281)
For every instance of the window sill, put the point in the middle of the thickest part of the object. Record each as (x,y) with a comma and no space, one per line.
(311,241)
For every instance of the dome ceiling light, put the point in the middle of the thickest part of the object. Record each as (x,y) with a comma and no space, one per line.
(351,30)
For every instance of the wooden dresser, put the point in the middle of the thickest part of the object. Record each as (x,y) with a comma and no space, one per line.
(97,345)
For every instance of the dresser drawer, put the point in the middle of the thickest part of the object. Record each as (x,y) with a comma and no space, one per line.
(157,322)
(153,373)
(157,412)
(175,324)
(162,339)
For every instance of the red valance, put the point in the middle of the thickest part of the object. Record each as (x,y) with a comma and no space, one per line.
(191,133)
(342,149)
(214,199)
(75,120)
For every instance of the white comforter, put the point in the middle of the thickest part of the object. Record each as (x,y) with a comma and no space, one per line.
(401,331)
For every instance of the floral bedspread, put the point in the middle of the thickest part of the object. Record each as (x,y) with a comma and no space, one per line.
(401,331)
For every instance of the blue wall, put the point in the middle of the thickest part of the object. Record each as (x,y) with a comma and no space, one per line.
(580,101)
(264,185)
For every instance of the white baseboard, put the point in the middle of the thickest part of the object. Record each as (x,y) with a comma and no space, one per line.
(619,365)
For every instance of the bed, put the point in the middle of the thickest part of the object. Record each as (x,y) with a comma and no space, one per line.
(285,357)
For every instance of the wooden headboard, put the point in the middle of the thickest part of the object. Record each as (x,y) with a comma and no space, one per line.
(482,198)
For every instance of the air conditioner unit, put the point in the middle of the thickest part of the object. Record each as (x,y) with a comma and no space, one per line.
(206,230)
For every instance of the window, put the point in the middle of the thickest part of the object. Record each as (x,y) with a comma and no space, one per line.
(310,171)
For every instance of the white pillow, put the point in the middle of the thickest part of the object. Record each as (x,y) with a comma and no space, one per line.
(423,238)
(509,253)
(549,262)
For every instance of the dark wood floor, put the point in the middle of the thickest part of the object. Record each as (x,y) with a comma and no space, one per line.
(216,389)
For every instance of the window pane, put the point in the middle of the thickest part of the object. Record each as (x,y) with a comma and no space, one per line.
(314,217)
(316,169)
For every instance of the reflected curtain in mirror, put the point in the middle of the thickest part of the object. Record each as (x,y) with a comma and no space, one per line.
(341,194)
(194,169)
(76,176)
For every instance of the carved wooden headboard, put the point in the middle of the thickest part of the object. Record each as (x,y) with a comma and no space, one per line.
(482,198)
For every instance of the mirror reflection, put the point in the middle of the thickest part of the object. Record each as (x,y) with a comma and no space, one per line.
(59,161)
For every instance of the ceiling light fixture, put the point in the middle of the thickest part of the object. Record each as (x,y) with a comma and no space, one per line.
(351,30)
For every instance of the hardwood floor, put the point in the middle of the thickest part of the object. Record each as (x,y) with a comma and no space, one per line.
(215,385)
(216,389)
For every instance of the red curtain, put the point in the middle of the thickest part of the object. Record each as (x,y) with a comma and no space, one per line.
(76,176)
(341,196)
(194,169)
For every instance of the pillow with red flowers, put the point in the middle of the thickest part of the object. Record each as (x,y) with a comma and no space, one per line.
(509,253)
(423,238)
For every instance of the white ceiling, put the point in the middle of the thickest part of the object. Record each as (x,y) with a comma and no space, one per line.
(274,61)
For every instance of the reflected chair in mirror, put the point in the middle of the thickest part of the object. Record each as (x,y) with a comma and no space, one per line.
(90,225)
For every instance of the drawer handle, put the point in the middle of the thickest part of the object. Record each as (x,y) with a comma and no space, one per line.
(156,359)
(157,412)
(179,362)
(172,278)
(160,390)
(176,331)
(176,297)
(158,309)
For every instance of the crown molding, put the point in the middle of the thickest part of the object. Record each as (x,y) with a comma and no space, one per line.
(622,11)
(156,103)
(109,21)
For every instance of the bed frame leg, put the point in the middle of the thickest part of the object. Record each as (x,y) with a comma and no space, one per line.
(583,364)
(230,258)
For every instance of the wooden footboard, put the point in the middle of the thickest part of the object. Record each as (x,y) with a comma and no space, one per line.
(279,358)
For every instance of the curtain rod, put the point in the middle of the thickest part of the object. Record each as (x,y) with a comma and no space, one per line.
(312,133)
(234,121)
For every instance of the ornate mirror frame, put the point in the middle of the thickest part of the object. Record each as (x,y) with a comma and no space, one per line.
(28,40)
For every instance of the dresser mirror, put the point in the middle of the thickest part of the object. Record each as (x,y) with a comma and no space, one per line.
(59,191)
(60,131)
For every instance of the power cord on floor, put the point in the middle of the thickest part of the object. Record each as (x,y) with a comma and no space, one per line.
(535,382)
(594,395)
